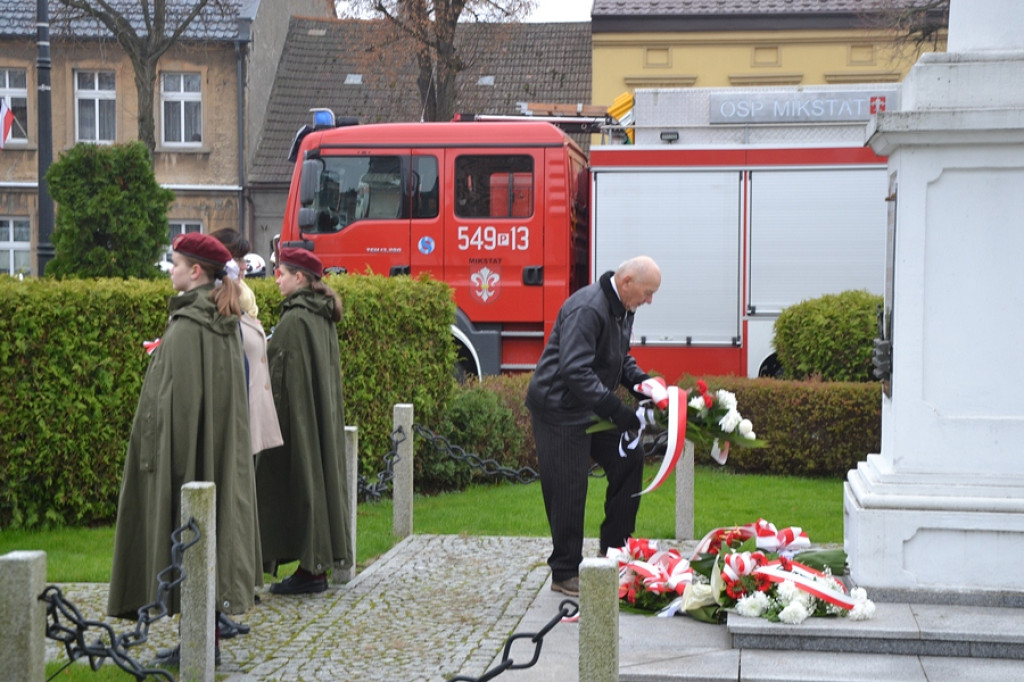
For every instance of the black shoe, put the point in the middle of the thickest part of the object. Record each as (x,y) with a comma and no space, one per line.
(300,583)
(569,586)
(229,628)
(172,657)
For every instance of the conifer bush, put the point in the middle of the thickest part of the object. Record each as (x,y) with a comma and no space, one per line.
(111,212)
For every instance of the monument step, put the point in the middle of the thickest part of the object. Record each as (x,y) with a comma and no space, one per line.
(900,629)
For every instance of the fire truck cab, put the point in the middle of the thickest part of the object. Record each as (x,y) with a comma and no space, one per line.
(498,210)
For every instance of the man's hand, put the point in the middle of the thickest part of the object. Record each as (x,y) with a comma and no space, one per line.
(625,418)
(610,407)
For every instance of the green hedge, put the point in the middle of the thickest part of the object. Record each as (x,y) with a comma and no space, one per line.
(813,428)
(72,364)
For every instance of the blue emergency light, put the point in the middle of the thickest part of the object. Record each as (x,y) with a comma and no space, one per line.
(323,118)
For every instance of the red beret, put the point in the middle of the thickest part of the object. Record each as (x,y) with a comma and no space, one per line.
(201,247)
(303,260)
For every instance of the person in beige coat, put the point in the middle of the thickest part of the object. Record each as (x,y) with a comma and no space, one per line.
(264,429)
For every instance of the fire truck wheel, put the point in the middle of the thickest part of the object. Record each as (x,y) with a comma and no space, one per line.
(465,367)
(771,368)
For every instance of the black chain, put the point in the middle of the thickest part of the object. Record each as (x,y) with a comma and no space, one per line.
(653,448)
(567,609)
(489,467)
(108,644)
(376,490)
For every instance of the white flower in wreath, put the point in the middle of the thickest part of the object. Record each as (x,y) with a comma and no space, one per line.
(753,605)
(726,399)
(795,613)
(746,428)
(864,608)
(789,593)
(730,421)
(697,402)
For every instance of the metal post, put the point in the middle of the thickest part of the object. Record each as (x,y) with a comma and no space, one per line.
(44,245)
(241,42)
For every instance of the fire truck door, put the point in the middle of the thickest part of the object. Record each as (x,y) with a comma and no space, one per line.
(494,252)
(427,224)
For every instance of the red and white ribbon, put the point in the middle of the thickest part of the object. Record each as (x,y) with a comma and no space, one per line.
(769,539)
(786,540)
(656,389)
(809,580)
(151,346)
(659,571)
(676,410)
(739,564)
(720,454)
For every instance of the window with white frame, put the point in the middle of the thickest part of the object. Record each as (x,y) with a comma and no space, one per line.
(183,227)
(15,238)
(95,106)
(182,98)
(14,89)
(177,227)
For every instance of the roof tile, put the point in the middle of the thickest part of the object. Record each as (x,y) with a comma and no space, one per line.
(528,62)
(18,19)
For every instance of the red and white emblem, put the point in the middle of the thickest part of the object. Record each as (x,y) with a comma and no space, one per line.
(486,283)
(877,104)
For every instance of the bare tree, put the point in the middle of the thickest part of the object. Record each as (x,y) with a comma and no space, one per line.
(916,26)
(429,28)
(145,30)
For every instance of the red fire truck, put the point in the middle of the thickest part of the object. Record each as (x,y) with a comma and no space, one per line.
(749,199)
(497,210)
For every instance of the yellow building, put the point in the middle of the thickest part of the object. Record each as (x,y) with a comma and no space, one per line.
(742,43)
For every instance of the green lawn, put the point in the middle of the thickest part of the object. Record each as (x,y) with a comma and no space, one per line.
(721,499)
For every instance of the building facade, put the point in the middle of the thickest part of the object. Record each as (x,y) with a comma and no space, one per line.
(209,102)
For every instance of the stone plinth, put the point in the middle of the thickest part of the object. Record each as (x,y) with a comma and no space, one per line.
(929,516)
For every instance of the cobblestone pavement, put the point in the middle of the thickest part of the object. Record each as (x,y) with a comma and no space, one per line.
(433,607)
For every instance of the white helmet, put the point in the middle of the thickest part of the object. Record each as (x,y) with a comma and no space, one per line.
(255,266)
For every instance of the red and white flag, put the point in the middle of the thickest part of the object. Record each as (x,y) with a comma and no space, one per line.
(6,122)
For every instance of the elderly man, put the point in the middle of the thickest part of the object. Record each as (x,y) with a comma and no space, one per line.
(586,358)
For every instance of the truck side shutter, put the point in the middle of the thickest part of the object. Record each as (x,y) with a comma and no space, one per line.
(815,232)
(689,222)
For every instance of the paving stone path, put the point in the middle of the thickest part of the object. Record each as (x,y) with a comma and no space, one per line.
(433,607)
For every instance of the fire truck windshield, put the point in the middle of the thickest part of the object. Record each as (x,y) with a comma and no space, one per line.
(353,188)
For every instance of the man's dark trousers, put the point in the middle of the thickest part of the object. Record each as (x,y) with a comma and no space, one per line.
(564,454)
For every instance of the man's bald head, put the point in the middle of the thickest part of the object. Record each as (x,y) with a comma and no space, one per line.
(637,280)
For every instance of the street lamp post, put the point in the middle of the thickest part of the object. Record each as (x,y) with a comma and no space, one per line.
(44,247)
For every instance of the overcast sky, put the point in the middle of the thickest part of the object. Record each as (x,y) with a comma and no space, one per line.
(562,10)
(547,10)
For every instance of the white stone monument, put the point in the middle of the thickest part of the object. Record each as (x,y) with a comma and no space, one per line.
(938,514)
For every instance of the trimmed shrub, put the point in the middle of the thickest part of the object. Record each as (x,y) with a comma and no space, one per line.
(112,215)
(830,337)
